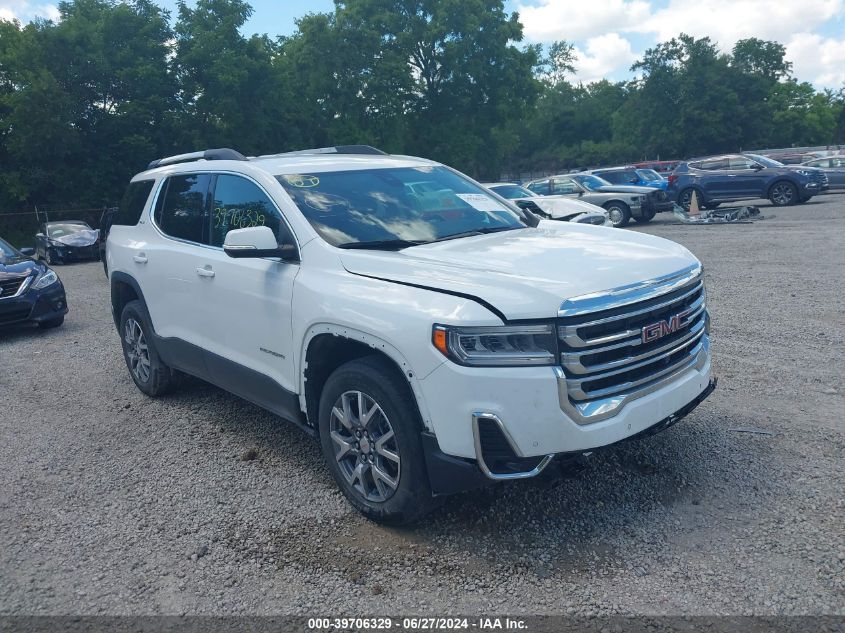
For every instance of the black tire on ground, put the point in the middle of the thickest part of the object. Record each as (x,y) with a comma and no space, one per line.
(50,261)
(685,199)
(155,378)
(105,266)
(378,380)
(783,194)
(646,217)
(46,325)
(619,212)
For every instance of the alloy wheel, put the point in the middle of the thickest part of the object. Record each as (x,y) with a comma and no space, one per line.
(136,350)
(782,194)
(616,215)
(365,446)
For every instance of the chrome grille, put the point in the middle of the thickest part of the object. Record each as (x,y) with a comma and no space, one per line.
(648,335)
(10,286)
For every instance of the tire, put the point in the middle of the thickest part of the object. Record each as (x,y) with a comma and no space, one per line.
(364,468)
(645,219)
(783,194)
(105,267)
(685,199)
(152,377)
(49,259)
(619,212)
(48,325)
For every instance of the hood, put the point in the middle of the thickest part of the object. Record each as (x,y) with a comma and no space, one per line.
(80,238)
(801,167)
(19,265)
(562,206)
(527,273)
(625,189)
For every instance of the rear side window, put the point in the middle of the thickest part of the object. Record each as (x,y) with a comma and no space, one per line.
(129,211)
(542,187)
(712,164)
(241,204)
(183,207)
(619,177)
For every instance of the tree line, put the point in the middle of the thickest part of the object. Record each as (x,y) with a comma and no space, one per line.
(89,100)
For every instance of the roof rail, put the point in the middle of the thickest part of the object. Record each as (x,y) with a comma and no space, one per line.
(337,149)
(223,153)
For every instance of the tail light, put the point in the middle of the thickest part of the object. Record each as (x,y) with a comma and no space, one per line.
(672,178)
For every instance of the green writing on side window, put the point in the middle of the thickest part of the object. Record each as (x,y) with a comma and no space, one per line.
(228,219)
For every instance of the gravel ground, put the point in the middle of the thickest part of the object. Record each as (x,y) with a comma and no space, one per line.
(200,503)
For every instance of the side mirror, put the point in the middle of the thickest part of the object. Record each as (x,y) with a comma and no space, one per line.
(258,241)
(757,167)
(39,235)
(28,251)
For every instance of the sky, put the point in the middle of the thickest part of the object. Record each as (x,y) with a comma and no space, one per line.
(610,35)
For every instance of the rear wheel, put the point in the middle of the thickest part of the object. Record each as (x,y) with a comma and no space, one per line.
(618,212)
(370,436)
(783,194)
(148,371)
(685,200)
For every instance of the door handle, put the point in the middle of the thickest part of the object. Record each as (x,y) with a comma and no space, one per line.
(205,272)
(140,259)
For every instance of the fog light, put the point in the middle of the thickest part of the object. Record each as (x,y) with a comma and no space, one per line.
(60,305)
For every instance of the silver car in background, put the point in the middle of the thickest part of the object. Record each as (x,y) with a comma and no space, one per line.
(551,207)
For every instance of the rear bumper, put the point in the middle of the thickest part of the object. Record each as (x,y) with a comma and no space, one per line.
(34,306)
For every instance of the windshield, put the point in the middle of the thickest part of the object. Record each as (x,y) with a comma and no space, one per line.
(513,192)
(591,182)
(649,175)
(765,160)
(6,250)
(398,206)
(60,230)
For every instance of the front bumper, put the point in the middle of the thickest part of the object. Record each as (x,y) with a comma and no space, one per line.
(532,416)
(34,306)
(74,253)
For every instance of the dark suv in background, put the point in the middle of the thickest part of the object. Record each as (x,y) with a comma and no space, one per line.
(732,177)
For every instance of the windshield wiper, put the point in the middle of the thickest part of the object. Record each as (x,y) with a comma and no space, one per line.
(382,245)
(482,231)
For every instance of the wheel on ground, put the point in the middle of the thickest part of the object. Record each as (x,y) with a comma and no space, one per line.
(646,217)
(783,194)
(685,200)
(145,366)
(370,436)
(619,213)
(46,325)
(49,258)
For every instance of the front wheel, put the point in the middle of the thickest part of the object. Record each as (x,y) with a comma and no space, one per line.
(370,436)
(148,371)
(783,194)
(619,213)
(646,217)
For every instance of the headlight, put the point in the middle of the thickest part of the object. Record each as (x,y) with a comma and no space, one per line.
(510,345)
(46,279)
(803,172)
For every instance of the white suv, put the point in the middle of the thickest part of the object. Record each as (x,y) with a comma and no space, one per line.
(431,334)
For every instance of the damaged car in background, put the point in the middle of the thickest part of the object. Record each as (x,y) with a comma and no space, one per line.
(622,202)
(29,291)
(67,241)
(551,207)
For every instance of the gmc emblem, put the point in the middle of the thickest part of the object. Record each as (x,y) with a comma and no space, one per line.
(654,331)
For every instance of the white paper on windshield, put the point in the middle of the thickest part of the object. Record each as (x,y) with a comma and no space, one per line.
(481,202)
